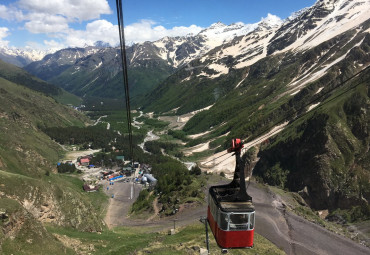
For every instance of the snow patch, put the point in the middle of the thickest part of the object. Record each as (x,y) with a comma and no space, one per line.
(314,76)
(90,83)
(242,81)
(98,65)
(319,90)
(221,69)
(312,106)
(197,148)
(203,109)
(199,135)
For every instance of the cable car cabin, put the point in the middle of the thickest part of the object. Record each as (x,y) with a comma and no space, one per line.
(232,223)
(231,214)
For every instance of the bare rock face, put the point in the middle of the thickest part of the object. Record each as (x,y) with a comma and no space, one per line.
(327,163)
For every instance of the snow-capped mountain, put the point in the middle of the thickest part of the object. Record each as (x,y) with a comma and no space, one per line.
(214,51)
(22,57)
(303,30)
(321,22)
(179,51)
(159,59)
(330,29)
(56,63)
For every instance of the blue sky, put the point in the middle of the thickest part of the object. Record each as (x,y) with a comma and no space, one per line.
(62,23)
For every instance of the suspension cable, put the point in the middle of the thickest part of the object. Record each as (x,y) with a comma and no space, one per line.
(124,71)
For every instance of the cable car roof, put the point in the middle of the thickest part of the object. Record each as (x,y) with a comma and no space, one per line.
(237,206)
(227,200)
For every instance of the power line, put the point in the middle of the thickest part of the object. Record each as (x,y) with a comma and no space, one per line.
(124,71)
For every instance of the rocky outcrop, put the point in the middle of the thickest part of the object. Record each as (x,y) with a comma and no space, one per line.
(326,156)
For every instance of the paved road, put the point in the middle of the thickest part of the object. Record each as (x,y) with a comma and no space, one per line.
(295,235)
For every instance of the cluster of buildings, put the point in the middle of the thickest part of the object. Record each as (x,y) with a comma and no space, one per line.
(137,173)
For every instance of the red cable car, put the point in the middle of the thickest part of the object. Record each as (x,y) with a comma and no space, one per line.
(230,210)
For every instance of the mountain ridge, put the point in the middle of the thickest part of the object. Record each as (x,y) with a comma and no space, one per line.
(164,56)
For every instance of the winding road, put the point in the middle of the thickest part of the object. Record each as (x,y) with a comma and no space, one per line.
(293,234)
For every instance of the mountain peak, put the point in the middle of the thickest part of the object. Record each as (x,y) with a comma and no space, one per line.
(296,14)
(216,25)
(271,21)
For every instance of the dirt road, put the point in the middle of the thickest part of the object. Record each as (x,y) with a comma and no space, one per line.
(73,155)
(125,194)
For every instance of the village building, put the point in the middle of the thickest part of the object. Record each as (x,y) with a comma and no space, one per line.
(85,161)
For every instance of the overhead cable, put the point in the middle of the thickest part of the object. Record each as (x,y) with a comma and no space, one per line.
(124,71)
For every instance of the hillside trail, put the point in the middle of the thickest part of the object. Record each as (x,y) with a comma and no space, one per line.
(156,210)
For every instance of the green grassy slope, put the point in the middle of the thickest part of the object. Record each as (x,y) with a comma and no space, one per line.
(21,77)
(67,98)
(27,174)
(143,240)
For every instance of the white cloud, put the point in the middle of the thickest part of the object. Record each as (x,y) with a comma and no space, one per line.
(11,13)
(53,45)
(102,30)
(4,32)
(41,23)
(272,20)
(145,30)
(98,30)
(73,10)
(55,19)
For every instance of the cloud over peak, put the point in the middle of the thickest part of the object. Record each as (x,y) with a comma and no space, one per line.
(146,30)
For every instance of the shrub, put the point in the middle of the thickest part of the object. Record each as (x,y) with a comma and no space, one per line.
(66,168)
(276,176)
(196,170)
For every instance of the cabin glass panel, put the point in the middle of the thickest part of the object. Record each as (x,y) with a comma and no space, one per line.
(251,222)
(223,220)
(238,221)
(213,208)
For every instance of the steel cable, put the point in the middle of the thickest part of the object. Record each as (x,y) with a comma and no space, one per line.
(124,71)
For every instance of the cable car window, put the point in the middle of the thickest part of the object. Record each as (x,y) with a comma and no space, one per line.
(238,221)
(223,220)
(251,224)
(212,208)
